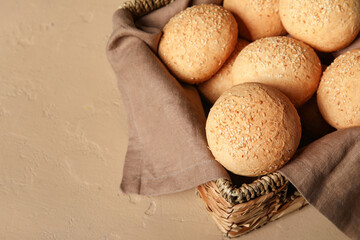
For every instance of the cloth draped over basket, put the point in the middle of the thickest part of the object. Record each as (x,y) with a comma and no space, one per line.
(167,149)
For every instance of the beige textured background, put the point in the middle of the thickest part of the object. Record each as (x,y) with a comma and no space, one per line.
(63,139)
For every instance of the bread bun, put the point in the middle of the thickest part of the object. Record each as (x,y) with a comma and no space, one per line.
(197,41)
(221,81)
(253,129)
(256,19)
(325,25)
(281,62)
(338,96)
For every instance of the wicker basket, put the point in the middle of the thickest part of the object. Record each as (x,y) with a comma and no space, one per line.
(237,208)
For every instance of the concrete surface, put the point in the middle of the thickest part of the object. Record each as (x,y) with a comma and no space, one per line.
(63,139)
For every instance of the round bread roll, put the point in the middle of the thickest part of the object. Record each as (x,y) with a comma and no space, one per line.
(256,19)
(221,81)
(338,96)
(325,25)
(281,62)
(197,41)
(253,129)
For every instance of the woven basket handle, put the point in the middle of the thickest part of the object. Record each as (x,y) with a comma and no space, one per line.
(140,8)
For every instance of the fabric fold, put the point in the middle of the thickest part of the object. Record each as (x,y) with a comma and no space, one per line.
(167,149)
(326,173)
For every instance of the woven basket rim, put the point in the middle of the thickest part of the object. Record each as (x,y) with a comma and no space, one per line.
(139,8)
(247,191)
(239,219)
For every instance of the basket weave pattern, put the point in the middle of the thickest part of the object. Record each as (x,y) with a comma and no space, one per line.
(237,210)
(139,8)
(246,192)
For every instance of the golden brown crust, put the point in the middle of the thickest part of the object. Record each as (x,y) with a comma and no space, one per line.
(338,96)
(325,25)
(281,62)
(256,18)
(253,129)
(221,81)
(197,41)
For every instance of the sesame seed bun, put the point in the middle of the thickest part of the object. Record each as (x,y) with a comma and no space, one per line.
(256,19)
(253,129)
(221,81)
(325,25)
(338,96)
(281,62)
(197,41)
